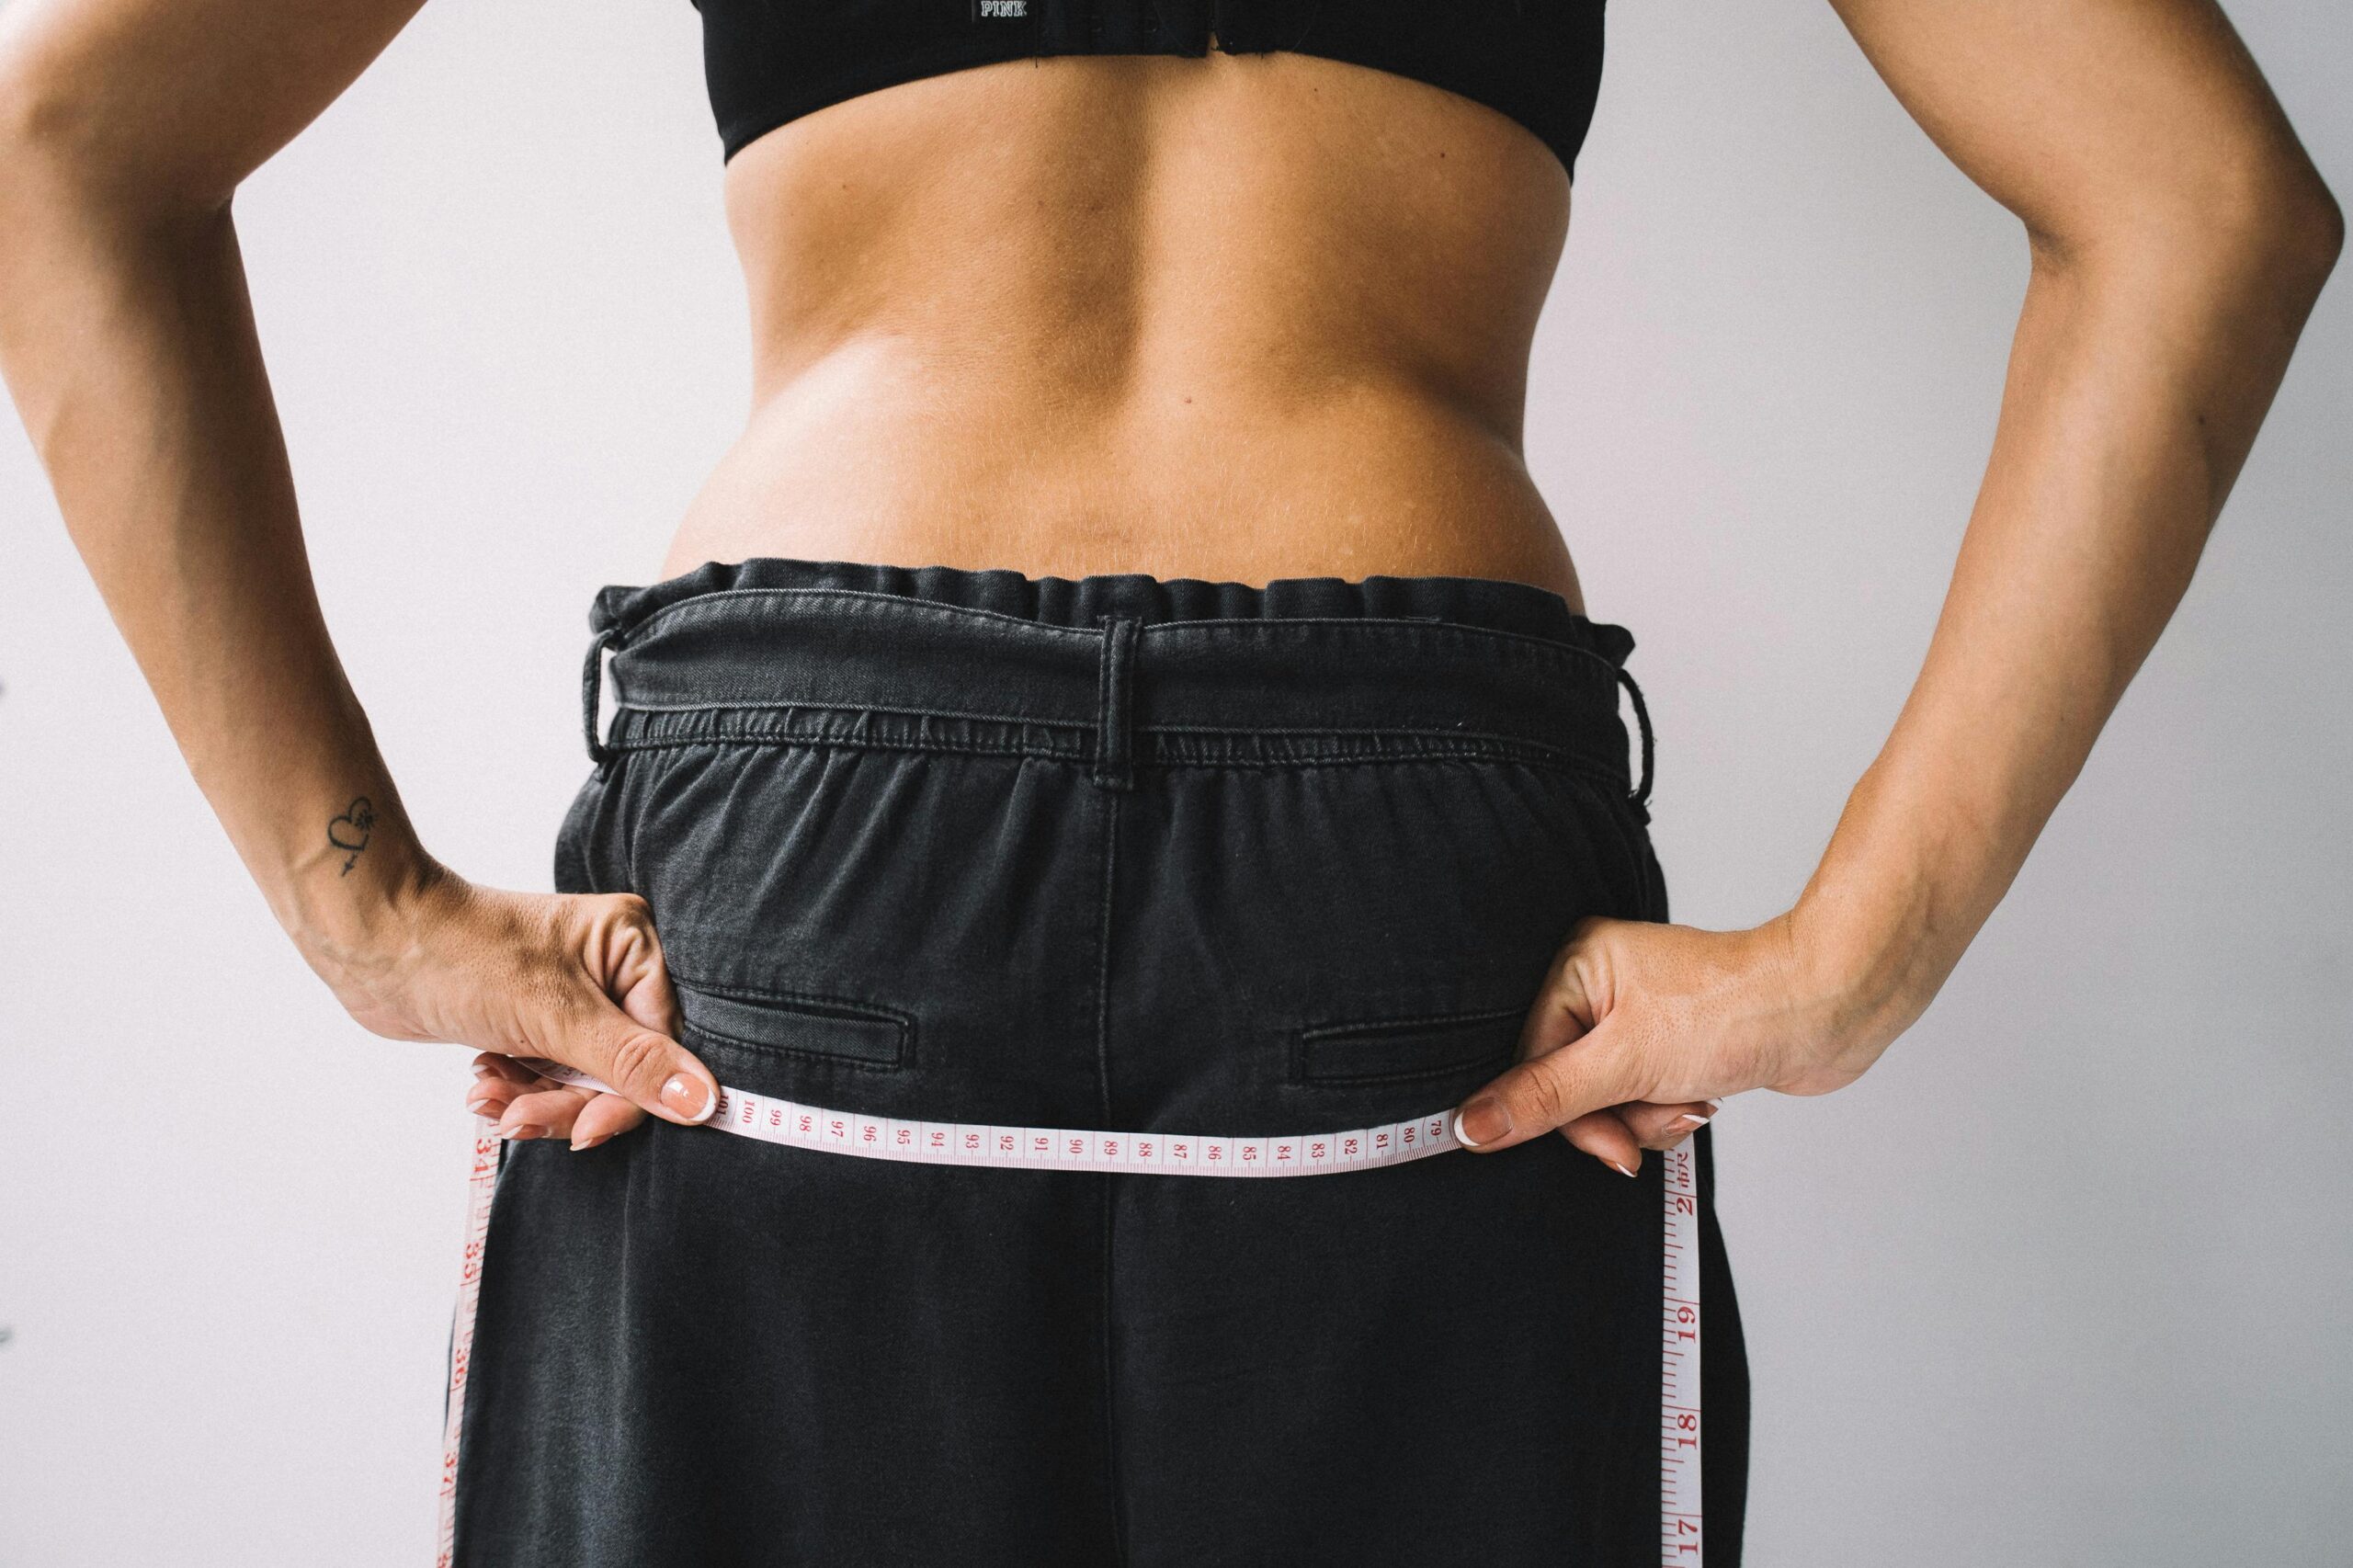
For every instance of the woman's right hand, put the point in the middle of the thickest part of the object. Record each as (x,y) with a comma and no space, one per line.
(573,978)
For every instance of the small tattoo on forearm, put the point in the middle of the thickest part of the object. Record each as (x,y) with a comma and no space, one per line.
(350,831)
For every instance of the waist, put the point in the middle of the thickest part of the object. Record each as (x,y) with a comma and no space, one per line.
(1173,671)
(887,453)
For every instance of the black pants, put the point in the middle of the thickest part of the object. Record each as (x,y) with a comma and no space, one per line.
(1116,852)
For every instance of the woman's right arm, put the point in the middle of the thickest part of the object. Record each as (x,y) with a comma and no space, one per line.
(127,340)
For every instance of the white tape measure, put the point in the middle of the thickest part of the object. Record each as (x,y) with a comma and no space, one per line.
(1678,1399)
(480,1185)
(776,1121)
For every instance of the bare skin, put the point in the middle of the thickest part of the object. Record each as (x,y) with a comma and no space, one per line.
(1235,318)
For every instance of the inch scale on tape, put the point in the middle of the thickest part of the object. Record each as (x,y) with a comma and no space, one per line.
(775,1120)
(1678,1399)
(481,1183)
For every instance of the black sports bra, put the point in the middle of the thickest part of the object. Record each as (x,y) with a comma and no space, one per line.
(770,60)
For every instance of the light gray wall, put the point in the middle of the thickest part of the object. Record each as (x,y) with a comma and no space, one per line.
(2065,1280)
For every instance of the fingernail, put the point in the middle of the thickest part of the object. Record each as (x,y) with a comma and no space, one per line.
(580,1143)
(478,1104)
(486,1073)
(1619,1168)
(687,1098)
(525,1129)
(1694,1121)
(1481,1121)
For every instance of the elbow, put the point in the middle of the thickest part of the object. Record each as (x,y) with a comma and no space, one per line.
(2293,252)
(2312,237)
(2270,222)
(2245,214)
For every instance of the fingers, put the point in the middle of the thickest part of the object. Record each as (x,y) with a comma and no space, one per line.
(1583,1070)
(650,1070)
(525,1106)
(491,1064)
(490,1095)
(499,1081)
(1599,1071)
(1665,1126)
(1618,1136)
(1573,1065)
(605,1116)
(633,1046)
(540,1109)
(618,1027)
(543,1113)
(1605,1135)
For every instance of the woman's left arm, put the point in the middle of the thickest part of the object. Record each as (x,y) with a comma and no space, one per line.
(2178,238)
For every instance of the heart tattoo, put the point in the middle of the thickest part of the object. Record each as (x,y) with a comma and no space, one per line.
(350,830)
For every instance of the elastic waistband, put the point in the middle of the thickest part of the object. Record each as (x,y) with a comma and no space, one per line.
(1489,603)
(1118,669)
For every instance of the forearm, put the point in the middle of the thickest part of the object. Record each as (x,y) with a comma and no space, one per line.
(128,342)
(2140,373)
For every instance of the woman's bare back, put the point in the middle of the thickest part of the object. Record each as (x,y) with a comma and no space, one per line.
(1234,317)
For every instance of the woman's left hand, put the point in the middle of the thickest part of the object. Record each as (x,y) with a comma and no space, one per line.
(1642,1026)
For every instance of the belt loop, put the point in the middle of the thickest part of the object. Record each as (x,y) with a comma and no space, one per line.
(1113,701)
(591,691)
(1639,798)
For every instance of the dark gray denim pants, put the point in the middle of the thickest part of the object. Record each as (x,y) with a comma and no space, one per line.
(1115,852)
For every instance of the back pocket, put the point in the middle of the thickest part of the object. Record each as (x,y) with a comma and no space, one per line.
(819,1028)
(1388,1051)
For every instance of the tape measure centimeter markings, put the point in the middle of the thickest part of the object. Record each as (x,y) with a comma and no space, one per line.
(773,1120)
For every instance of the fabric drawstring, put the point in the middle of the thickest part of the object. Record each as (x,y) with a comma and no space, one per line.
(1639,798)
(591,692)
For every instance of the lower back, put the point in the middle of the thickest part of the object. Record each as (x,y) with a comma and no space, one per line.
(1238,317)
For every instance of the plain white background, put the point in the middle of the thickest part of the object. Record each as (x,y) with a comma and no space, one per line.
(2063,1280)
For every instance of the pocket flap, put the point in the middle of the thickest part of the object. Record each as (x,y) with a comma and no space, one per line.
(809,1026)
(1428,1047)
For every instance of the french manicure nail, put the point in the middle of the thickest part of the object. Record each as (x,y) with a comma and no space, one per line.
(1485,1113)
(580,1143)
(1619,1168)
(687,1098)
(1694,1121)
(525,1129)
